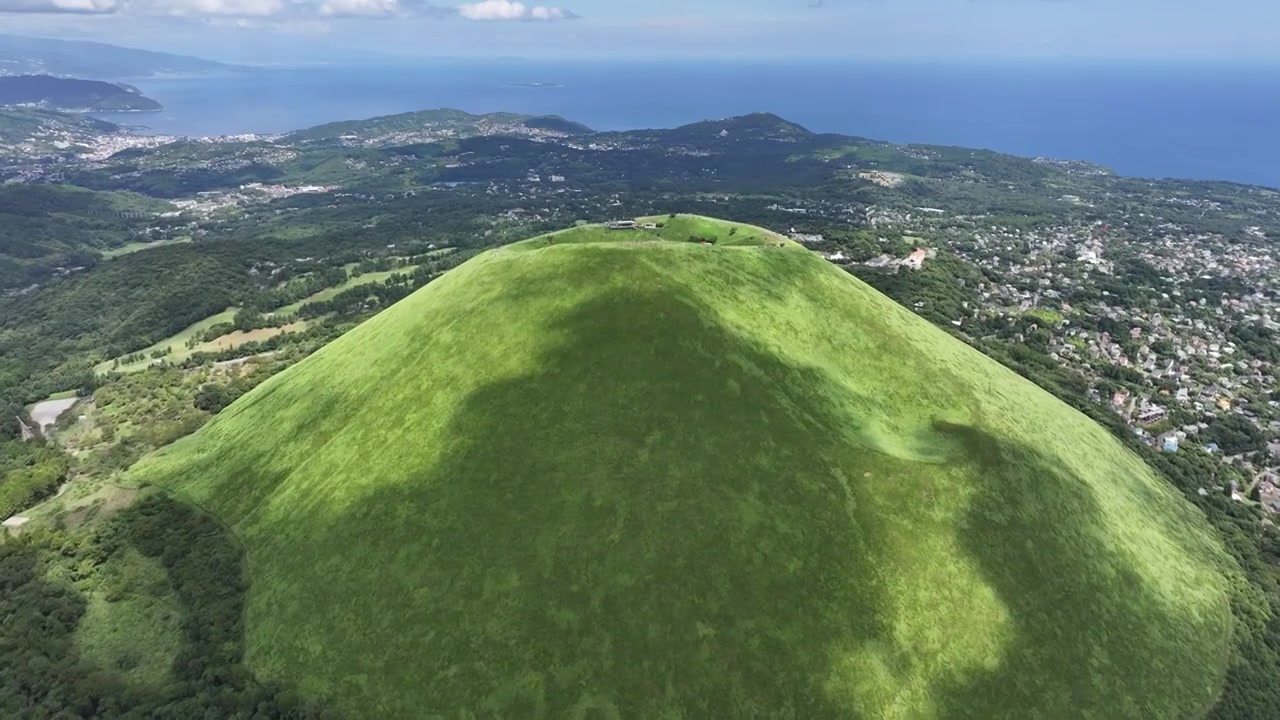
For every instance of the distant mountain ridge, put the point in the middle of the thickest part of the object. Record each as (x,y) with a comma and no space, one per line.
(21,55)
(73,94)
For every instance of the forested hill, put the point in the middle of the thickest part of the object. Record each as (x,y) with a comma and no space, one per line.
(556,123)
(73,94)
(423,125)
(27,55)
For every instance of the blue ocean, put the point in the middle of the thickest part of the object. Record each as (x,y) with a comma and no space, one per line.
(1219,123)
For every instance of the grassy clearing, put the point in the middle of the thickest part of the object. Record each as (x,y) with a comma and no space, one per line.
(174,344)
(330,293)
(177,350)
(869,154)
(132,625)
(133,247)
(140,616)
(601,474)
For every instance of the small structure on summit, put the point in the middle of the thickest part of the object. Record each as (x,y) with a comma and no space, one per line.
(621,224)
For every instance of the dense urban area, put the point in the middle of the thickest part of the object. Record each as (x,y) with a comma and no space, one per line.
(147,282)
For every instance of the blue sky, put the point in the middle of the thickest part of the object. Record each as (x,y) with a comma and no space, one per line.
(933,30)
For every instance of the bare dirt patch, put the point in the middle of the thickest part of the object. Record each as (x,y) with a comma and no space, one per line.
(46,413)
(883,179)
(235,339)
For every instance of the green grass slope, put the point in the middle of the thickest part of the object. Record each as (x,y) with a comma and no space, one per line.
(603,475)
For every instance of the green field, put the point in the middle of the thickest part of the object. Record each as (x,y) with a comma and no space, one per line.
(600,475)
(132,625)
(176,344)
(330,293)
(133,247)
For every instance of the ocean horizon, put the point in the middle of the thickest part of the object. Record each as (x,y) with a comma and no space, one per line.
(1139,119)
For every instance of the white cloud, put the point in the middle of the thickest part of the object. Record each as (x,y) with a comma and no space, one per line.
(508,10)
(380,9)
(234,8)
(546,13)
(84,7)
(295,9)
(291,26)
(493,10)
(359,8)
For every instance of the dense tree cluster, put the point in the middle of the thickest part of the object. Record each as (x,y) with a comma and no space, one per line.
(1256,341)
(28,472)
(1234,435)
(939,291)
(51,229)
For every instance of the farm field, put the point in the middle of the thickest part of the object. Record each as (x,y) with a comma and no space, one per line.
(133,247)
(622,474)
(176,345)
(237,338)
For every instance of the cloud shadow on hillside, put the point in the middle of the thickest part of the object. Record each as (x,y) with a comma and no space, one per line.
(1090,631)
(651,521)
(660,519)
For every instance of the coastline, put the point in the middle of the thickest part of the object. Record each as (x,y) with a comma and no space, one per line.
(92,111)
(1130,118)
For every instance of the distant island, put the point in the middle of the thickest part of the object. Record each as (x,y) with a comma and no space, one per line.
(534,85)
(73,95)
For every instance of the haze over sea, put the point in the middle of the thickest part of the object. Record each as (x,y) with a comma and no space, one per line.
(1146,120)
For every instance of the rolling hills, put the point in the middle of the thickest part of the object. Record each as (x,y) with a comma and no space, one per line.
(695,471)
(47,227)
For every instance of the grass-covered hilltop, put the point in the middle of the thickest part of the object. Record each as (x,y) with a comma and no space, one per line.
(692,470)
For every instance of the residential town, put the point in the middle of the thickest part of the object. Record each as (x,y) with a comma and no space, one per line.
(1174,329)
